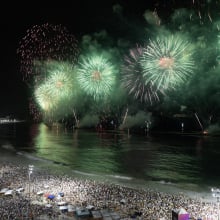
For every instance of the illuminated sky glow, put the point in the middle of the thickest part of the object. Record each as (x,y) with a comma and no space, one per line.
(179,62)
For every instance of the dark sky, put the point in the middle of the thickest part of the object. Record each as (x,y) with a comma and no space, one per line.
(82,18)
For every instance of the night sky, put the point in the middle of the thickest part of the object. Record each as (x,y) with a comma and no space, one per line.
(81,18)
(85,17)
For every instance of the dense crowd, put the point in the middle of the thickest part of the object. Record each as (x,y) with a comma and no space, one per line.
(127,202)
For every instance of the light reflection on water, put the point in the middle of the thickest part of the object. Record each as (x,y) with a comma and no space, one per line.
(177,160)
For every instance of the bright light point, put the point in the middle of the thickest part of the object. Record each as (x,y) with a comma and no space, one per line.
(205,132)
(166,63)
(59,84)
(96,75)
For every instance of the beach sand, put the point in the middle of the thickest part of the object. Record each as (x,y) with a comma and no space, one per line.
(150,203)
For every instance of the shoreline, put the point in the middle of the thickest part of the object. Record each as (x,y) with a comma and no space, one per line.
(79,192)
(193,191)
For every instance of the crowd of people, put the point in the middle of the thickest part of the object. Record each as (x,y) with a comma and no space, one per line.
(129,203)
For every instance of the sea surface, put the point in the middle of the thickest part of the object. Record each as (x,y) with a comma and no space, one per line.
(165,161)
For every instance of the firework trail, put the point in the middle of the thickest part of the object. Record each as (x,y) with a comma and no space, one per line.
(200,124)
(125,116)
(42,43)
(133,79)
(167,62)
(96,76)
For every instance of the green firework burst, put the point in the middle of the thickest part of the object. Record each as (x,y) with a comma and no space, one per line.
(96,76)
(58,87)
(167,62)
(44,98)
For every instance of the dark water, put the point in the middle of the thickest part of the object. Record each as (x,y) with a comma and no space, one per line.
(164,160)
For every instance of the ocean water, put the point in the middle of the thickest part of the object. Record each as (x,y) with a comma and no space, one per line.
(170,162)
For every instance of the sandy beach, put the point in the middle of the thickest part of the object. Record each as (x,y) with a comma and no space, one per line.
(32,201)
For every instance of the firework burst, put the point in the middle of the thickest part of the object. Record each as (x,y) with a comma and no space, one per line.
(62,81)
(58,89)
(167,62)
(133,80)
(42,43)
(96,76)
(44,98)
